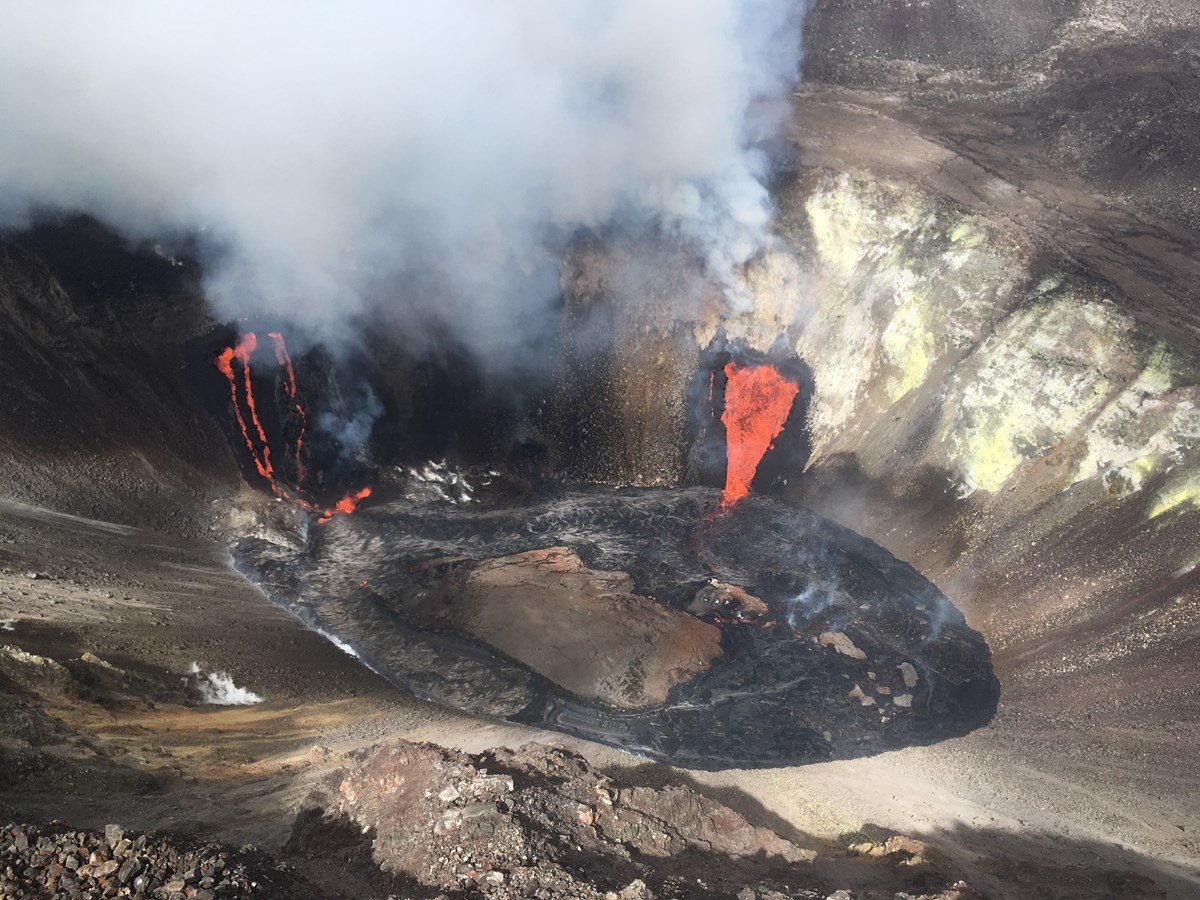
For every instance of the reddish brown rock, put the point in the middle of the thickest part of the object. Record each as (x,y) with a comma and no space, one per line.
(535,816)
(670,821)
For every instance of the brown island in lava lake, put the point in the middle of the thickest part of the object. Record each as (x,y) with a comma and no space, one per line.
(653,620)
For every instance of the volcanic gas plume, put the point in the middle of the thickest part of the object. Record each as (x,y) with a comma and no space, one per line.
(457,145)
(758,400)
(255,437)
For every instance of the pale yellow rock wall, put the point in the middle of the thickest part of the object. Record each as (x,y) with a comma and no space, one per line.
(917,308)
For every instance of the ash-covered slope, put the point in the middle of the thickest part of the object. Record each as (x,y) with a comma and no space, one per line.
(871,39)
(1107,88)
(107,410)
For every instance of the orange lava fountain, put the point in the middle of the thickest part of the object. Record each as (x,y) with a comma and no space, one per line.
(260,452)
(757,403)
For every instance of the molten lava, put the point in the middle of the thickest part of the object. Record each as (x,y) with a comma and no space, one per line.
(260,451)
(285,360)
(757,403)
(241,352)
(346,505)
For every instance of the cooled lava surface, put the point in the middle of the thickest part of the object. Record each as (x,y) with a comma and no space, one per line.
(653,620)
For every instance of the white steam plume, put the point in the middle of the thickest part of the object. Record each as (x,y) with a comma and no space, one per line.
(330,151)
(218,689)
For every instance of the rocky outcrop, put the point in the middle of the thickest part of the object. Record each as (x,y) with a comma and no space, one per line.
(932,330)
(54,861)
(541,822)
(594,635)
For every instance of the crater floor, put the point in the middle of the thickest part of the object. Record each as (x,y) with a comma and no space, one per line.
(650,619)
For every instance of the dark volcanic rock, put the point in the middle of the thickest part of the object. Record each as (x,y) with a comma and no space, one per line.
(56,861)
(1125,116)
(844,38)
(855,652)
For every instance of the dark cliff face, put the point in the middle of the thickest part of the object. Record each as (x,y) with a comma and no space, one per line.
(1106,88)
(103,347)
(841,35)
(1125,115)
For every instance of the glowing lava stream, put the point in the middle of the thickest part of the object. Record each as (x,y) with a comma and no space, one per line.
(285,360)
(757,403)
(241,351)
(261,452)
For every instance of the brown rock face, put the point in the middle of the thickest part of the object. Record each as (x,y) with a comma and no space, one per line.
(525,819)
(650,820)
(584,629)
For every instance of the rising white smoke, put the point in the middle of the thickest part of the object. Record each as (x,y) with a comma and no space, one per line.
(217,688)
(336,155)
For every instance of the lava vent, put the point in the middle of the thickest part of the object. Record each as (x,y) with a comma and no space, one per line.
(653,620)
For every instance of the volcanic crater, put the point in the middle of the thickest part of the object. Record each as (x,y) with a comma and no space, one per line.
(782,553)
(656,620)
